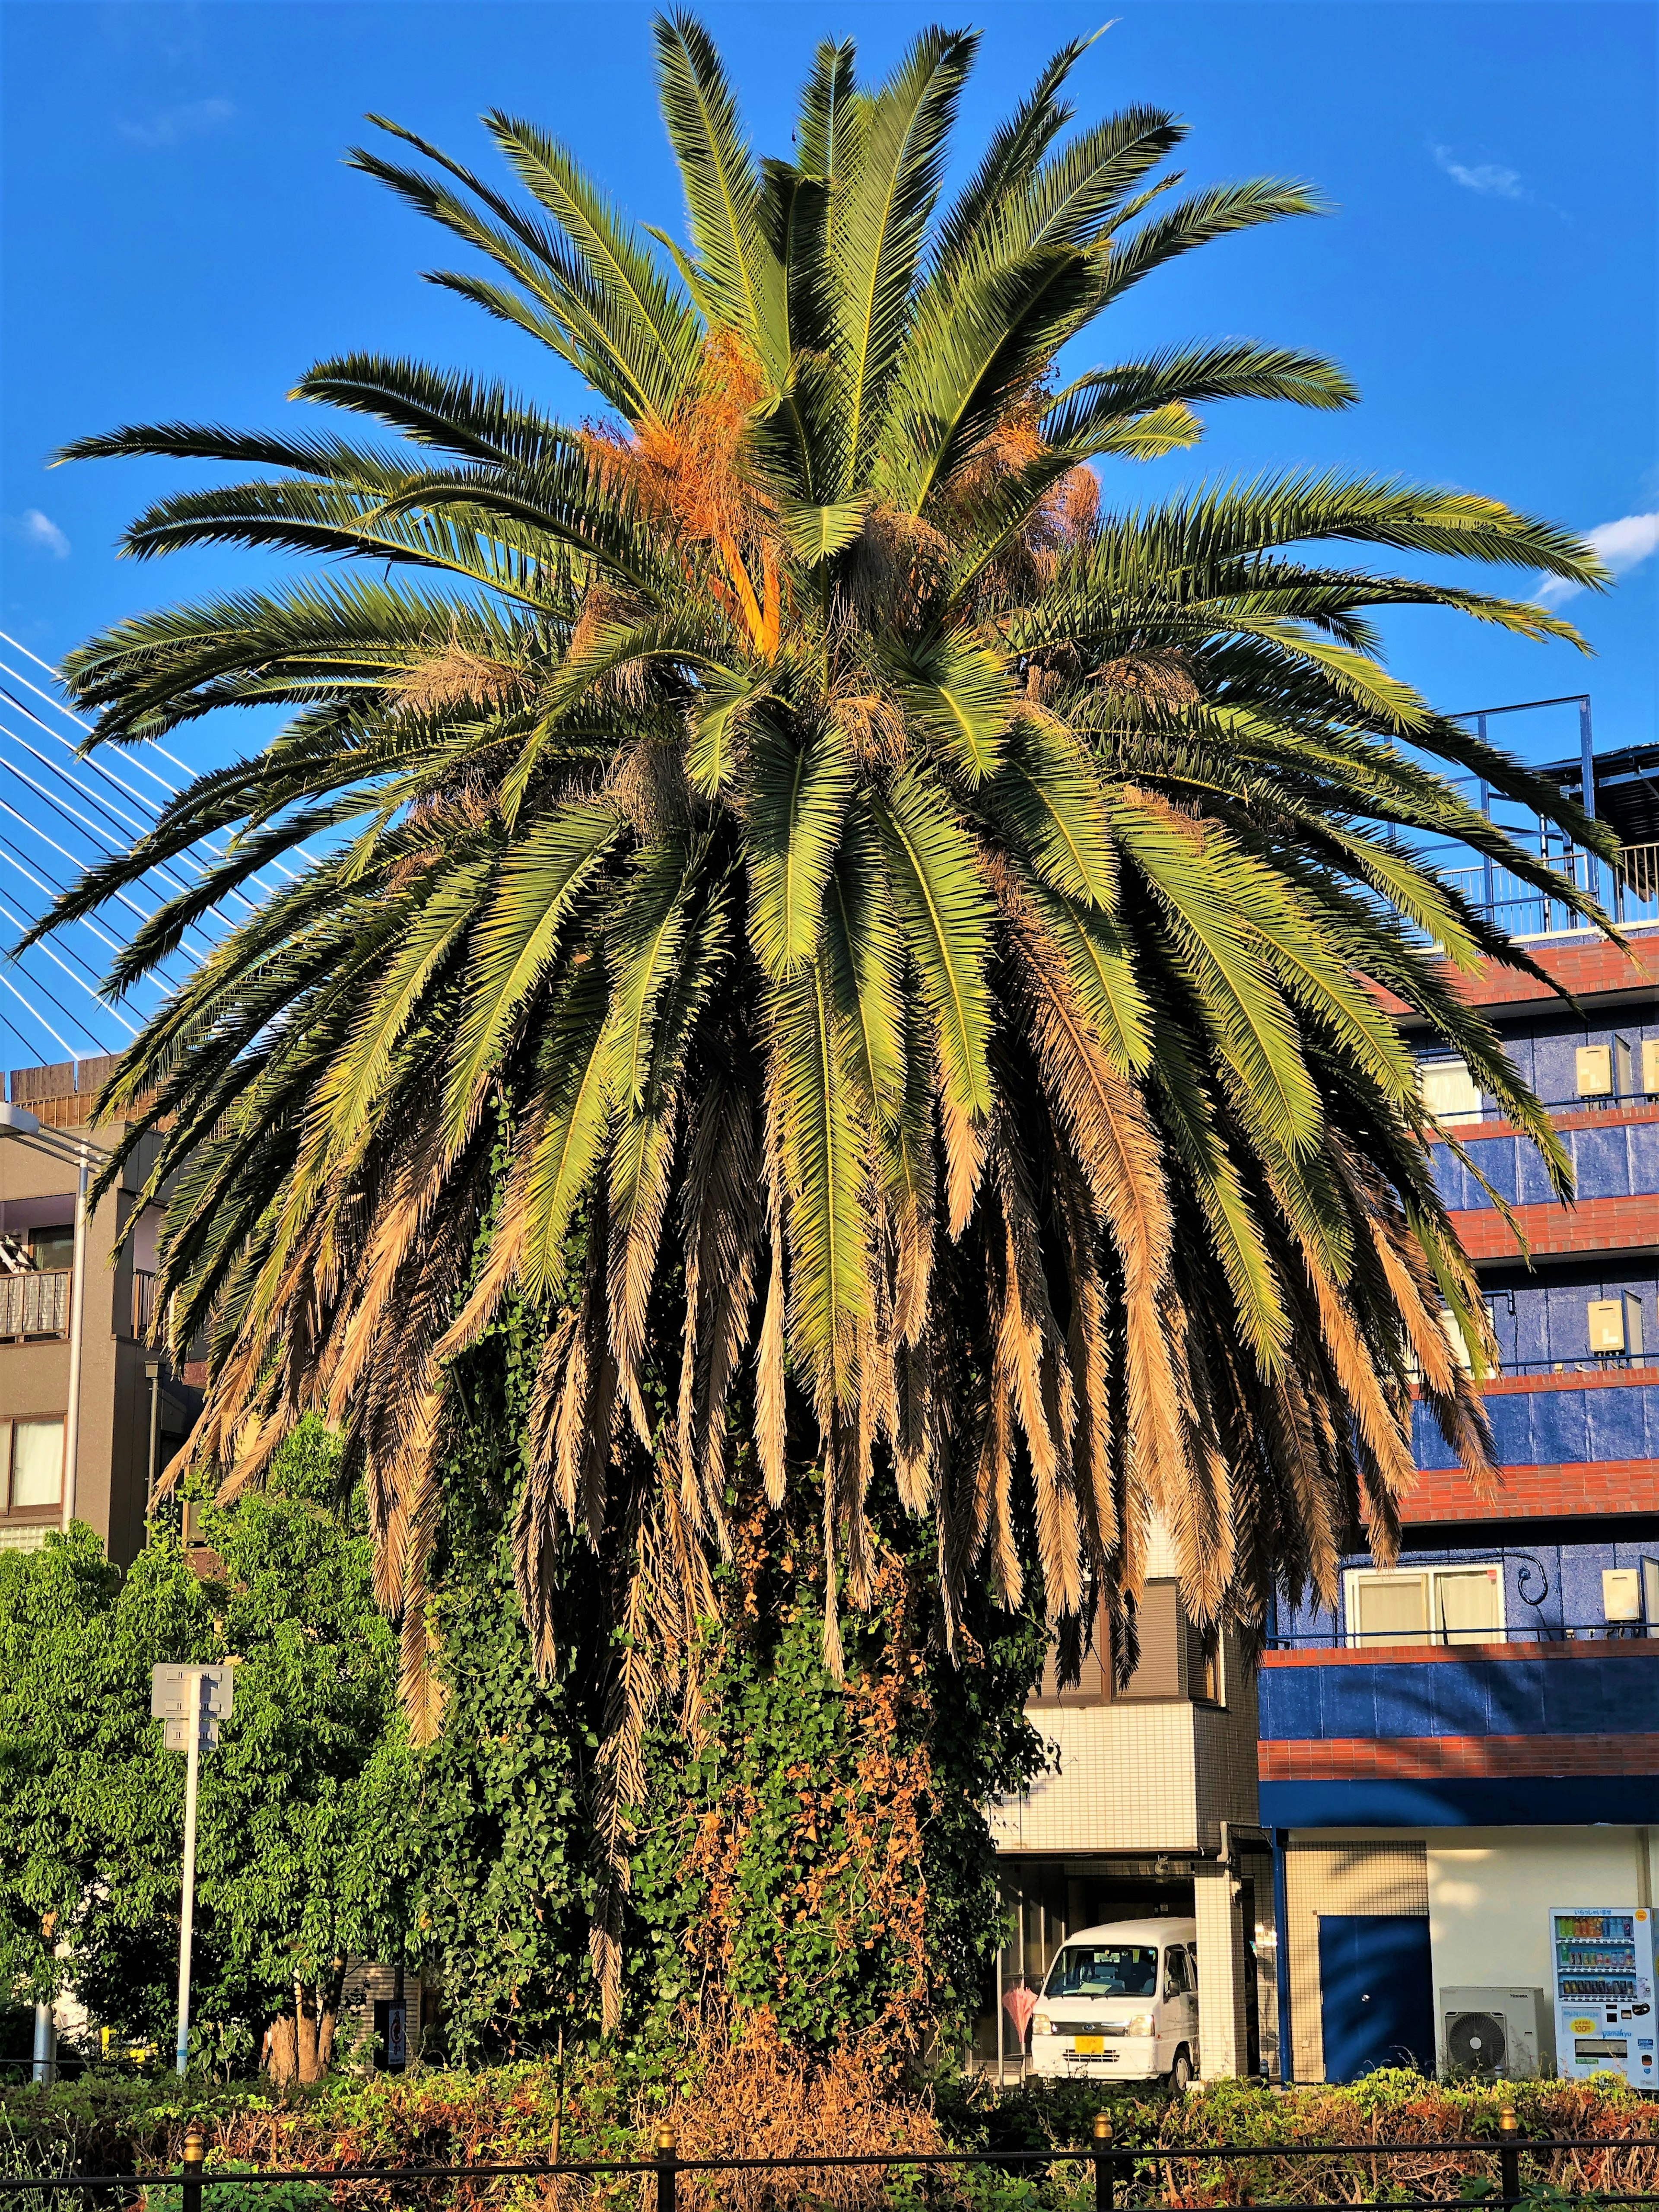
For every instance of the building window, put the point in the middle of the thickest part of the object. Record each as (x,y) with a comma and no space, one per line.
(1448,1090)
(1461,1604)
(1175,1659)
(1452,1329)
(37,1463)
(52,1248)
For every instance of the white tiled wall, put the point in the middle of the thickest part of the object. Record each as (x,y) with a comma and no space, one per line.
(1126,1781)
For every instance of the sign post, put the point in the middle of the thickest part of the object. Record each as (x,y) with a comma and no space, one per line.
(192,1701)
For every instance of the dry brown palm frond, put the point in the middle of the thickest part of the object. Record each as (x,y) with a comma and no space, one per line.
(1385,1438)
(541,1501)
(403,1423)
(421,1691)
(990,1526)
(1094,1464)
(419,1176)
(453,676)
(645,783)
(1162,679)
(909,1179)
(500,1267)
(636,1233)
(912,1425)
(690,475)
(721,1216)
(1200,1520)
(871,722)
(618,1767)
(898,564)
(771,1400)
(1030,1360)
(965,1143)
(1105,1121)
(858,1436)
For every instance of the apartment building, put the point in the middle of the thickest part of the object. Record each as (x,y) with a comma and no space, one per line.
(1459,1763)
(133,1410)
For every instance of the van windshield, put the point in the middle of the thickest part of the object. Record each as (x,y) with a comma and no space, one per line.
(1104,1969)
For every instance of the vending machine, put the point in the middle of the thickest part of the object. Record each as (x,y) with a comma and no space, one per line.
(1604,2018)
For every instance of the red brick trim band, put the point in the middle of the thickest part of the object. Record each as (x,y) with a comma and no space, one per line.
(1595,1224)
(1590,966)
(1424,1757)
(1570,1492)
(1596,1378)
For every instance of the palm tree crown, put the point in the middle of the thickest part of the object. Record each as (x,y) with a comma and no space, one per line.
(877,947)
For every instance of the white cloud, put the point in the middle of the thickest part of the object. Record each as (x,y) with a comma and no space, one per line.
(1624,545)
(1487,177)
(170,126)
(41,531)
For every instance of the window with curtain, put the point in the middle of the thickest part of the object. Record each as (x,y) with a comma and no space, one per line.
(1448,1090)
(37,1463)
(1461,1604)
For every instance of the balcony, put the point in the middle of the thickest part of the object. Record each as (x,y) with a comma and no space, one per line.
(1534,1725)
(34,1306)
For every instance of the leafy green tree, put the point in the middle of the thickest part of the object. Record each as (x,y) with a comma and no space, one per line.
(302,1806)
(921,921)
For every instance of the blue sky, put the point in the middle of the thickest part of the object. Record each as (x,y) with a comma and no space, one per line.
(181,239)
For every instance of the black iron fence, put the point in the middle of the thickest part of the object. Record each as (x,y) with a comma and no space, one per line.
(1503,2172)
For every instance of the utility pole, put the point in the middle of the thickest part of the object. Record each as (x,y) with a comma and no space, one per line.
(192,1700)
(187,1902)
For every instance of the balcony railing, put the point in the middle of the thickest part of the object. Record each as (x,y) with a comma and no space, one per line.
(143,1302)
(1631,888)
(1524,1631)
(35,1304)
(1643,1364)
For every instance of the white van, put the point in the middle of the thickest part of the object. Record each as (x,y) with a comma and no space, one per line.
(1120,2003)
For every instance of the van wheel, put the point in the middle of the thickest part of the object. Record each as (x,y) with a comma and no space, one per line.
(1181,2073)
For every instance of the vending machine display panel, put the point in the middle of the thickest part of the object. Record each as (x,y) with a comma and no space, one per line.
(1604,2019)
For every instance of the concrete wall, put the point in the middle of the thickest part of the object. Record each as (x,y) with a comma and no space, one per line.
(1486,1892)
(1491,1889)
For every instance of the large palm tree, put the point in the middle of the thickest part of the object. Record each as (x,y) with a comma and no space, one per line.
(878,948)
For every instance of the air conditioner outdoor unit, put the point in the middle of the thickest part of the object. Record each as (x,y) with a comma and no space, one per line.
(1508,2033)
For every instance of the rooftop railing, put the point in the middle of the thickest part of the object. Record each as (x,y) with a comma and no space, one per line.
(1630,889)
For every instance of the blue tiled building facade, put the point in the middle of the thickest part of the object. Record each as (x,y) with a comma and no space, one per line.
(1467,1743)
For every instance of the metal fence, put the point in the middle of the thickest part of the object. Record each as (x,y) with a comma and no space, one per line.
(1630,889)
(1331,1638)
(1515,2169)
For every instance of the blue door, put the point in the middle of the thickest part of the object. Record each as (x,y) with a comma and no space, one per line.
(1376,1993)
